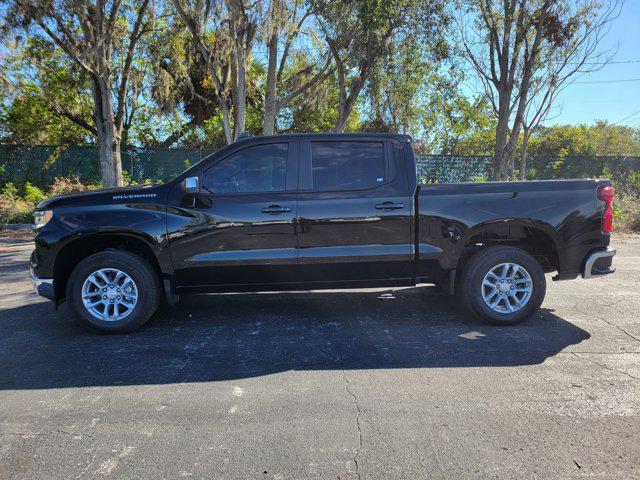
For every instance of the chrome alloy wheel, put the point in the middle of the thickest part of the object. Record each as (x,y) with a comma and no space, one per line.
(109,294)
(507,288)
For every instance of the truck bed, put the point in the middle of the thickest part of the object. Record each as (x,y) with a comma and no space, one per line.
(564,213)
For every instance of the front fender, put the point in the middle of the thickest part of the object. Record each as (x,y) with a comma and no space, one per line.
(71,226)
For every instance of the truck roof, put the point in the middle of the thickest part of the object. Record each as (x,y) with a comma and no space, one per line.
(327,136)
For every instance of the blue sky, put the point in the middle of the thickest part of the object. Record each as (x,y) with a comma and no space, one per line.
(609,99)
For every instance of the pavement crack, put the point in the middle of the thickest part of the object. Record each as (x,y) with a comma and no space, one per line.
(189,349)
(37,434)
(597,317)
(602,365)
(347,386)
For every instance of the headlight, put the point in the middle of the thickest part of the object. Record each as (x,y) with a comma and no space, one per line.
(41,218)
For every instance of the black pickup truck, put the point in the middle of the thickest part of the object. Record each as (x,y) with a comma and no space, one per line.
(316,211)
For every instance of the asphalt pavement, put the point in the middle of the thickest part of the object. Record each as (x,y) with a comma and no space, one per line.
(366,384)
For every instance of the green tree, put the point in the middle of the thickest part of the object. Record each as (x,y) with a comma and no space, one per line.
(224,34)
(52,102)
(361,33)
(513,45)
(285,22)
(601,139)
(467,127)
(101,39)
(400,92)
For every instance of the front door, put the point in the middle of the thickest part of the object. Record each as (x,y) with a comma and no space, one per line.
(240,229)
(354,212)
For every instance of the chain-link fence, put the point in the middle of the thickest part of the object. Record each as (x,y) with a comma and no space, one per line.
(40,165)
(623,171)
(453,168)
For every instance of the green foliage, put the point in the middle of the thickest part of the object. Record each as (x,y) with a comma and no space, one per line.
(401,90)
(10,191)
(600,139)
(33,116)
(33,195)
(587,151)
(14,209)
(17,207)
(459,126)
(317,111)
(626,212)
(129,181)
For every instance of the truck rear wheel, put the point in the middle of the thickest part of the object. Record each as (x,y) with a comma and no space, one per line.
(503,285)
(113,291)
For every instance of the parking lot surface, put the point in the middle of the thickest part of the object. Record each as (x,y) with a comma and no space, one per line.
(367,384)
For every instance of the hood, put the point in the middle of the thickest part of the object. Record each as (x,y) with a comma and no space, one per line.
(107,196)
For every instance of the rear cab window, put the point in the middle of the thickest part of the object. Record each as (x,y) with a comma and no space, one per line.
(349,165)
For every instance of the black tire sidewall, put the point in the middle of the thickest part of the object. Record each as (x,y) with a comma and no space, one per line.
(485,260)
(137,268)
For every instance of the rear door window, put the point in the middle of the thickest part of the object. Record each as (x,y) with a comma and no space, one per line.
(347,165)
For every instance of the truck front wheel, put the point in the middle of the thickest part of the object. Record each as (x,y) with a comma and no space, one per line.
(113,291)
(503,285)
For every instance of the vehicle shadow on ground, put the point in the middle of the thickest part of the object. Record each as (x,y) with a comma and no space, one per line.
(222,337)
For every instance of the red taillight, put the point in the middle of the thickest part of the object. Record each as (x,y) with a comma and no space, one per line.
(606,194)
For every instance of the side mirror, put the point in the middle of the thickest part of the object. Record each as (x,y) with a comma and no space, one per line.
(191,185)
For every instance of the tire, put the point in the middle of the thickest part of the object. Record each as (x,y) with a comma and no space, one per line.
(490,263)
(133,311)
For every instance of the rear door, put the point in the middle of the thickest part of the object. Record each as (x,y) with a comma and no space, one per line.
(354,211)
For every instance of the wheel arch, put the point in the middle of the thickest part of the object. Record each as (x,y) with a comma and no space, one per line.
(82,247)
(539,239)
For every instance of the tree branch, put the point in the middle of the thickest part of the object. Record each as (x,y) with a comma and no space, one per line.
(126,71)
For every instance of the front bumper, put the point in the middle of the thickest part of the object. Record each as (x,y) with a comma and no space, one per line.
(599,263)
(43,286)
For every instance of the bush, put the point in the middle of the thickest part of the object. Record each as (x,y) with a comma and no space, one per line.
(130,182)
(33,195)
(626,213)
(17,208)
(6,210)
(14,209)
(63,186)
(10,192)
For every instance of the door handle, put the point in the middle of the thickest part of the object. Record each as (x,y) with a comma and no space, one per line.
(275,209)
(389,206)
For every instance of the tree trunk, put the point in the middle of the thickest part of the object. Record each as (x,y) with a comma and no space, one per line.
(506,139)
(341,123)
(347,103)
(240,100)
(269,120)
(226,121)
(109,156)
(523,159)
(342,90)
(500,157)
(108,137)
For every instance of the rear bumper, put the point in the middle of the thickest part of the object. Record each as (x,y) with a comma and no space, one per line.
(599,263)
